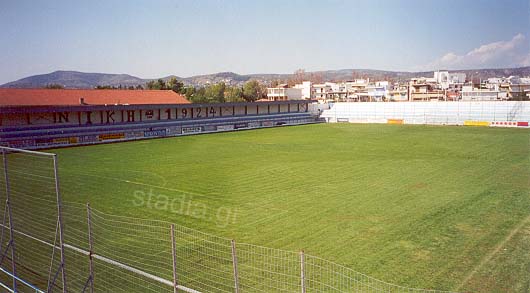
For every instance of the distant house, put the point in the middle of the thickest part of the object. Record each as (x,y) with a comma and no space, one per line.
(422,89)
(322,92)
(473,94)
(517,91)
(516,88)
(398,95)
(305,86)
(447,80)
(283,93)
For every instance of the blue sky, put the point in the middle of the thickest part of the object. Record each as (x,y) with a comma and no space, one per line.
(159,38)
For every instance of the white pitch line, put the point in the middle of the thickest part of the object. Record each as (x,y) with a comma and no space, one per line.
(265,219)
(495,250)
(144,184)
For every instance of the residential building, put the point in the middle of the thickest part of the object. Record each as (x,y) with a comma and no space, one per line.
(446,80)
(441,77)
(354,88)
(469,93)
(306,89)
(339,92)
(515,87)
(356,85)
(283,93)
(517,91)
(423,89)
(321,92)
(399,93)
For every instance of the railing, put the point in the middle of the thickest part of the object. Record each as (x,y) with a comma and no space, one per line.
(72,247)
(31,287)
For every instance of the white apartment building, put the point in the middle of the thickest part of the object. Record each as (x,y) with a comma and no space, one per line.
(322,91)
(441,76)
(514,86)
(457,77)
(473,94)
(447,80)
(283,93)
(496,80)
(356,85)
(339,91)
(306,89)
(377,92)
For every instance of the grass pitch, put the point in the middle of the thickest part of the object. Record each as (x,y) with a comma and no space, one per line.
(419,206)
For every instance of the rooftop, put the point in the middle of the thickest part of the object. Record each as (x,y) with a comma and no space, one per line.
(70,97)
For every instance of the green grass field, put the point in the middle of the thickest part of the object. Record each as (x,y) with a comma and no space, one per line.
(419,206)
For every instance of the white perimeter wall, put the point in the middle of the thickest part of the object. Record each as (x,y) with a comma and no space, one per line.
(449,113)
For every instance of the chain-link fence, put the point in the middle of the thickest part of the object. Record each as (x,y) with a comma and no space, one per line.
(31,225)
(107,253)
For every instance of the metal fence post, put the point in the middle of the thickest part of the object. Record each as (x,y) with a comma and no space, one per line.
(174,258)
(60,219)
(234,263)
(302,271)
(90,248)
(3,226)
(11,229)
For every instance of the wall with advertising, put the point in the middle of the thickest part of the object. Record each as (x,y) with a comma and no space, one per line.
(487,113)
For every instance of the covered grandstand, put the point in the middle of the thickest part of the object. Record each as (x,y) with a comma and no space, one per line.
(41,118)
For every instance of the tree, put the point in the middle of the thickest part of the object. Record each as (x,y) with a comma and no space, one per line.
(151,85)
(176,85)
(252,91)
(356,75)
(215,93)
(316,77)
(54,86)
(234,94)
(161,84)
(188,91)
(195,95)
(298,77)
(199,96)
(275,82)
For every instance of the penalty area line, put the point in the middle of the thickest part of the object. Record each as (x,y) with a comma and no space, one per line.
(145,184)
(495,250)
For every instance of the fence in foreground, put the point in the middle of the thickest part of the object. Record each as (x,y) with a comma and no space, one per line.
(51,246)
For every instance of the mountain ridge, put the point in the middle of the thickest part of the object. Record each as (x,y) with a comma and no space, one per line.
(78,79)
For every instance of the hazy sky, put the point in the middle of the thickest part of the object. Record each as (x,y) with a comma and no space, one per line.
(159,38)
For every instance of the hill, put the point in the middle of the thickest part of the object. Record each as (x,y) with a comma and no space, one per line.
(76,79)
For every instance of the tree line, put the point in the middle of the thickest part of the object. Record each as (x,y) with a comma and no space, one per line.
(215,93)
(56,86)
(250,91)
(118,87)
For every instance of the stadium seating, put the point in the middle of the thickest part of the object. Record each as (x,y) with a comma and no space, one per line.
(35,137)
